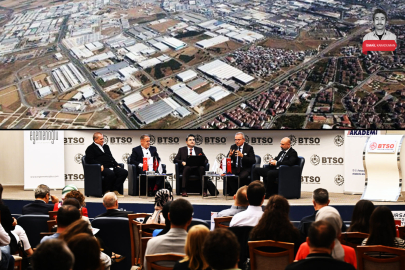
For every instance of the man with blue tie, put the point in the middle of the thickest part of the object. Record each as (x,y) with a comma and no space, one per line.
(150,152)
(288,156)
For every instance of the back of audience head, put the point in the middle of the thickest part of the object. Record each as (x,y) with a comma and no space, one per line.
(86,250)
(221,249)
(241,196)
(41,191)
(180,213)
(72,201)
(110,200)
(78,196)
(361,216)
(67,214)
(79,226)
(255,193)
(50,254)
(194,245)
(332,216)
(320,197)
(165,212)
(321,235)
(275,223)
(382,227)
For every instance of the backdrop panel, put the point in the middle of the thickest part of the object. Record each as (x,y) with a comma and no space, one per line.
(323,151)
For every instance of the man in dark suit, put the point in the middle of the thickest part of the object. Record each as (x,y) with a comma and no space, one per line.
(110,202)
(40,206)
(99,153)
(288,156)
(181,159)
(321,240)
(242,157)
(146,150)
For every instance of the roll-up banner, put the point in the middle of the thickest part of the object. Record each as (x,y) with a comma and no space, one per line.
(323,151)
(354,169)
(44,159)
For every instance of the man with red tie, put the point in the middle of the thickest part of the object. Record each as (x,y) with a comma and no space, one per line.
(181,159)
(242,157)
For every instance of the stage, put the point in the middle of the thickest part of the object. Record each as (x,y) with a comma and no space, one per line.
(15,197)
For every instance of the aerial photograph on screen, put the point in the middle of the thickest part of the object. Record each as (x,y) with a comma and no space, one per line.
(199,64)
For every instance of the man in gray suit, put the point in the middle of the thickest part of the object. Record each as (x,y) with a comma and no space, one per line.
(180,216)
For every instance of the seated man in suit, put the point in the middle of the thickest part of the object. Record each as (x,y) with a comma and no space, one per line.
(146,150)
(99,153)
(40,206)
(242,157)
(181,159)
(288,156)
(110,202)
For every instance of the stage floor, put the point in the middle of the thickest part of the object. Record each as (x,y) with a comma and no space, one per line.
(18,193)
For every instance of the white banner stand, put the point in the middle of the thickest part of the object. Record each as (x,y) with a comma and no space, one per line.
(44,159)
(383,158)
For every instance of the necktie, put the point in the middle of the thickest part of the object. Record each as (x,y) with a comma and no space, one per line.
(191,152)
(282,156)
(239,161)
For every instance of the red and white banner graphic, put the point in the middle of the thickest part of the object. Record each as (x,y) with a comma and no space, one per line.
(379,45)
(381,146)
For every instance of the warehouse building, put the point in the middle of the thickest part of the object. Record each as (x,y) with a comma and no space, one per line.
(211,42)
(174,43)
(85,92)
(134,102)
(193,99)
(222,71)
(73,106)
(44,91)
(198,83)
(187,75)
(110,69)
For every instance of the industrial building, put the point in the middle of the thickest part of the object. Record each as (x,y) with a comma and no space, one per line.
(67,76)
(174,43)
(44,91)
(100,57)
(160,109)
(73,106)
(211,42)
(84,92)
(193,99)
(187,75)
(134,102)
(110,69)
(198,83)
(222,71)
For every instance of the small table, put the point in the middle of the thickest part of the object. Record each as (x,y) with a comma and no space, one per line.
(165,175)
(218,176)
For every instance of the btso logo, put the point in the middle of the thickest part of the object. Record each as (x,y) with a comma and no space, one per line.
(171,157)
(78,158)
(315,160)
(152,139)
(105,139)
(339,180)
(219,157)
(198,139)
(293,140)
(73,140)
(125,157)
(267,158)
(310,179)
(339,140)
(373,146)
(247,139)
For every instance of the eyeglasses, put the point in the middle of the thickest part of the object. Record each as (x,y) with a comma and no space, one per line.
(239,139)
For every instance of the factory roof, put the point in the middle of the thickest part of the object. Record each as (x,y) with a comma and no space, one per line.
(187,75)
(206,43)
(223,71)
(111,68)
(154,112)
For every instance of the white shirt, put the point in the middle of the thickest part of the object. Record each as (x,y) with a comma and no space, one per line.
(99,146)
(146,153)
(285,153)
(192,151)
(387,35)
(241,150)
(249,217)
(4,238)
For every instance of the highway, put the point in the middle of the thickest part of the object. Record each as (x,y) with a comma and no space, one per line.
(197,123)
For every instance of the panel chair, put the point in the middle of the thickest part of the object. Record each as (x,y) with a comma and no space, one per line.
(194,184)
(262,260)
(222,222)
(93,179)
(380,258)
(152,259)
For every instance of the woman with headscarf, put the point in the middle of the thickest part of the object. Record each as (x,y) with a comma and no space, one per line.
(339,252)
(161,198)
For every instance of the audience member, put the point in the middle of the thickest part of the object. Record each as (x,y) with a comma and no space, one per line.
(51,255)
(221,249)
(165,213)
(321,241)
(275,224)
(382,229)
(67,214)
(81,226)
(161,198)
(86,250)
(240,203)
(194,259)
(40,206)
(361,217)
(110,202)
(80,197)
(6,260)
(252,215)
(320,198)
(180,215)
(16,232)
(65,191)
(339,252)
(76,203)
